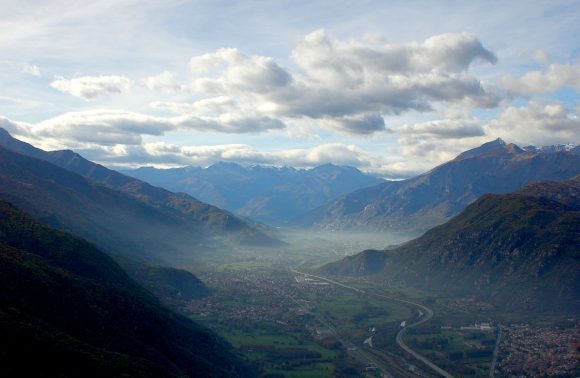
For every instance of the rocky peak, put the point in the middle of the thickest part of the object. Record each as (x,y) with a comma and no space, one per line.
(484,149)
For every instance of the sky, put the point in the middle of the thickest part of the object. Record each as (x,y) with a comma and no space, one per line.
(391,87)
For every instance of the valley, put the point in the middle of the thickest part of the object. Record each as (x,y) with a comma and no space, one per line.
(492,291)
(291,323)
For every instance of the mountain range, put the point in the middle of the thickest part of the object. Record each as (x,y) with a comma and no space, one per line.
(123,215)
(417,204)
(67,309)
(518,251)
(271,195)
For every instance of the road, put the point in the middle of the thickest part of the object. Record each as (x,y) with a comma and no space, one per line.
(401,342)
(427,315)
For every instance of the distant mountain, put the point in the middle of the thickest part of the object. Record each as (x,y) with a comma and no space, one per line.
(554,148)
(419,203)
(206,219)
(267,194)
(67,309)
(518,251)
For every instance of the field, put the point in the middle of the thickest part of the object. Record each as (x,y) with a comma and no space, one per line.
(463,353)
(285,353)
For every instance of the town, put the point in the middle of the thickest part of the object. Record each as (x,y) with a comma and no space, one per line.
(540,351)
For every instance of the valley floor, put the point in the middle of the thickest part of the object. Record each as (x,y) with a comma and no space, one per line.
(291,324)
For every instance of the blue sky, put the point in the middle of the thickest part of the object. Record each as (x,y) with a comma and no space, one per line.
(392,87)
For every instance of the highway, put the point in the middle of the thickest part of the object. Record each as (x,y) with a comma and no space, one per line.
(401,342)
(426,315)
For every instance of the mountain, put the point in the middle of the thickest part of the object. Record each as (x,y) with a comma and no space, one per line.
(267,194)
(67,309)
(419,203)
(206,219)
(517,251)
(120,223)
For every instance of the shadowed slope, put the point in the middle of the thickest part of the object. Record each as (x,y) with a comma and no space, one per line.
(66,309)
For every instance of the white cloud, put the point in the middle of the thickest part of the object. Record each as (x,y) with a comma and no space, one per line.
(117,127)
(163,82)
(106,127)
(555,77)
(208,106)
(90,87)
(31,69)
(238,72)
(352,77)
(538,124)
(541,56)
(421,153)
(454,128)
(452,52)
(230,123)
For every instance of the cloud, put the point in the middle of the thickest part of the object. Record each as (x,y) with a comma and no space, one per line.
(359,124)
(538,123)
(352,77)
(345,86)
(118,127)
(163,82)
(106,127)
(555,77)
(350,85)
(541,56)
(208,106)
(445,128)
(31,69)
(452,52)
(230,123)
(90,87)
(238,72)
(15,128)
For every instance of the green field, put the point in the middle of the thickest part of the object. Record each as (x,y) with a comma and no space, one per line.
(463,353)
(269,349)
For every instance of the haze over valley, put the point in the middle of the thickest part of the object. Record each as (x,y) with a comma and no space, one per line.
(289,189)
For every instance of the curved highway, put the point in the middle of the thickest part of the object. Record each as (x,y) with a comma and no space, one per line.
(426,315)
(406,348)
